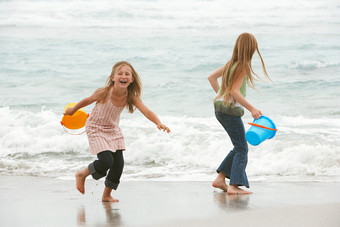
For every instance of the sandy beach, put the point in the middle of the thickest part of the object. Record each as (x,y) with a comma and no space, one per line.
(39,201)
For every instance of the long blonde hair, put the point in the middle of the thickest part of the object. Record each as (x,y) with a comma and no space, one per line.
(243,52)
(134,89)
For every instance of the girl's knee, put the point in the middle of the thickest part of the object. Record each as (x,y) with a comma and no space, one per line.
(107,163)
(241,150)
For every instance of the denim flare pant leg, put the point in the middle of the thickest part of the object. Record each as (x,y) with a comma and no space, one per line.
(234,164)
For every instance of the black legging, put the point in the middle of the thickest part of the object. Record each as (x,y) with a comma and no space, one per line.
(108,160)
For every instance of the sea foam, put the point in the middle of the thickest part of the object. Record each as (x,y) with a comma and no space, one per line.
(36,144)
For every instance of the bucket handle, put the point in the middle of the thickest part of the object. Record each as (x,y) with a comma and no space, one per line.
(261,126)
(73,134)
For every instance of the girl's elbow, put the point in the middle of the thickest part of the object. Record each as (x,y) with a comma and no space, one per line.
(148,114)
(211,79)
(233,93)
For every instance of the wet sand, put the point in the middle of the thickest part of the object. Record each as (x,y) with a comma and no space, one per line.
(39,201)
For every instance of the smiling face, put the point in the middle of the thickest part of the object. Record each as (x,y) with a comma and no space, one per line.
(122,78)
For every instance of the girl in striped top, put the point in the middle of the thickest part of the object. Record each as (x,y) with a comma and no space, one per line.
(123,90)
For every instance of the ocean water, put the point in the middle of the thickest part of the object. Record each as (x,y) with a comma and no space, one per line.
(56,52)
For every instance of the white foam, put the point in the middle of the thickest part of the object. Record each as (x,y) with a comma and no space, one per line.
(35,144)
(313,64)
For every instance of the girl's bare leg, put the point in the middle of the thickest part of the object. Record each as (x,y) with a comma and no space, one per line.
(219,182)
(107,195)
(80,179)
(235,190)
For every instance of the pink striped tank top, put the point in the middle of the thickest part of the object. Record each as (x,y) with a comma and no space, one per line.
(102,128)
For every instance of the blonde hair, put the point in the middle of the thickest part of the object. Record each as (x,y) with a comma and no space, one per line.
(243,52)
(134,89)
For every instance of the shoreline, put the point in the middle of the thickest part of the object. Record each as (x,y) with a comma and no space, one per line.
(43,201)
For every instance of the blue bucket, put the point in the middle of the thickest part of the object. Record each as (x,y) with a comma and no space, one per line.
(265,129)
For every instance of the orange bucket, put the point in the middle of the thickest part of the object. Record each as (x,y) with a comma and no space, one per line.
(76,121)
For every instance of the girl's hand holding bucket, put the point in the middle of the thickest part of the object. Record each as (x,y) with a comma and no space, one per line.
(256,113)
(69,111)
(73,119)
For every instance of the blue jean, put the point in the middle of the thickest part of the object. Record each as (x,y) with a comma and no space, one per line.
(235,163)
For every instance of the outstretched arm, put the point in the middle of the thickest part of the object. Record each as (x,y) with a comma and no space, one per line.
(150,115)
(82,103)
(213,78)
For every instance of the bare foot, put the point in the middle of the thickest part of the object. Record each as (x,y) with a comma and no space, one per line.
(80,179)
(218,183)
(109,199)
(107,196)
(234,190)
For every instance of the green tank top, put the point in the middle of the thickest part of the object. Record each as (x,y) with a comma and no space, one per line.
(230,108)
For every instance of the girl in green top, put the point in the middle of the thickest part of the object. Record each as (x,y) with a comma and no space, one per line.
(229,103)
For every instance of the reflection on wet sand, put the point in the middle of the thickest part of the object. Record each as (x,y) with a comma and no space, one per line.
(113,217)
(231,202)
(81,217)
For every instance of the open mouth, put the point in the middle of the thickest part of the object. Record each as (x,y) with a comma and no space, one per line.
(123,82)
